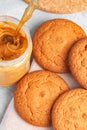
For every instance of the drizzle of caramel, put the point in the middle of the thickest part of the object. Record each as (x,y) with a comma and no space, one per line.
(27,14)
(12,42)
(9,50)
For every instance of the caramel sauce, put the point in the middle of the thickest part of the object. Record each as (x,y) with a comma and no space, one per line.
(9,50)
(27,14)
(12,42)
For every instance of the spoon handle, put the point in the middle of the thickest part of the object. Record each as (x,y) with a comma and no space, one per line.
(27,14)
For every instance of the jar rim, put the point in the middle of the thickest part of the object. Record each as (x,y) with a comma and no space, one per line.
(6,18)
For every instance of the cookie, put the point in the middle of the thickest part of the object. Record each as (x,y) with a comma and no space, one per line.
(78,61)
(35,95)
(52,41)
(62,6)
(70,111)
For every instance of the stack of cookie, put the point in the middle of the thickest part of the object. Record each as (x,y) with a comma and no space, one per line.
(42,98)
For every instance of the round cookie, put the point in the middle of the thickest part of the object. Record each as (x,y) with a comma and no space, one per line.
(52,41)
(70,111)
(35,95)
(62,6)
(78,62)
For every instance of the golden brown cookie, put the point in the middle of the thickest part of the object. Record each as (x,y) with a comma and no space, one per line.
(52,41)
(70,111)
(35,95)
(78,62)
(62,6)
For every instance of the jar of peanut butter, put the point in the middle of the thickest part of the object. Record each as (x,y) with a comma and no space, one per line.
(14,58)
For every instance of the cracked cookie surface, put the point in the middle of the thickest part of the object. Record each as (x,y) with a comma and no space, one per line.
(70,111)
(78,61)
(52,41)
(35,95)
(62,6)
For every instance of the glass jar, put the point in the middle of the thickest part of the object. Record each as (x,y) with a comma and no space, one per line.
(13,70)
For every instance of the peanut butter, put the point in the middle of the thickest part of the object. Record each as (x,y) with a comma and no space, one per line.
(9,50)
(14,56)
